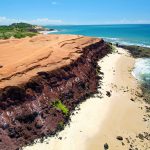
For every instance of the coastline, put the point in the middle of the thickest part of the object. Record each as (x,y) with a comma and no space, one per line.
(37,103)
(125,117)
(100,120)
(47,32)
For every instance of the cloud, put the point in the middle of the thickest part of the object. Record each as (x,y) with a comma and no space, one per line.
(4,20)
(38,21)
(126,21)
(45,21)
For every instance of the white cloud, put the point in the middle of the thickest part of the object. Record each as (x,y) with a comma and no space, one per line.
(44,21)
(47,21)
(38,21)
(126,21)
(4,20)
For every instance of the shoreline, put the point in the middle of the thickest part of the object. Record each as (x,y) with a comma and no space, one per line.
(87,127)
(125,117)
(48,32)
(116,41)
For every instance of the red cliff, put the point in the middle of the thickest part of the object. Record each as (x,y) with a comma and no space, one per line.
(38,73)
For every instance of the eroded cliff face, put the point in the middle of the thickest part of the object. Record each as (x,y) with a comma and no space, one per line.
(27,111)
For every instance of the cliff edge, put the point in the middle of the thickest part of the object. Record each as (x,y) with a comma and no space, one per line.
(42,79)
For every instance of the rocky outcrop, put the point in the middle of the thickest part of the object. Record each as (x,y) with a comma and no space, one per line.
(27,108)
(40,28)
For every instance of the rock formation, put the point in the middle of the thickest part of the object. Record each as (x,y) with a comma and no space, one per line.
(39,72)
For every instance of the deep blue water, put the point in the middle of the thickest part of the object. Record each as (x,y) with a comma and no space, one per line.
(123,34)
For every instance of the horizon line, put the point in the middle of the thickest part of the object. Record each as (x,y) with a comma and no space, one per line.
(80,24)
(99,24)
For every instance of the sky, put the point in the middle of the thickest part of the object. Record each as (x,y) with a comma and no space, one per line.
(75,12)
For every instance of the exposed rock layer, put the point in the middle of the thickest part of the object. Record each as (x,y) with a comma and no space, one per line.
(60,67)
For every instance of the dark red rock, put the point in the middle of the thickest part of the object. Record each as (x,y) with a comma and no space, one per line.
(26,111)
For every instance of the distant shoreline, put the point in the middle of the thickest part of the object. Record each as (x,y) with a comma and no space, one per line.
(48,32)
(22,30)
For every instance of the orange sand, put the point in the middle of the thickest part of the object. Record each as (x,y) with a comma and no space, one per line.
(21,59)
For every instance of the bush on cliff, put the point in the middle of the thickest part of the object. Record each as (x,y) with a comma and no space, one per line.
(22,35)
(59,105)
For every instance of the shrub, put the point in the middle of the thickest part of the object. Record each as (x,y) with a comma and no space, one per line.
(60,125)
(19,35)
(59,105)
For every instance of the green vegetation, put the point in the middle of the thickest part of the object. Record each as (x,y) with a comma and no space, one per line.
(60,125)
(98,70)
(137,51)
(146,92)
(17,30)
(59,105)
(112,48)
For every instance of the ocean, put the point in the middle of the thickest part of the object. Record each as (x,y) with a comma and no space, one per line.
(123,34)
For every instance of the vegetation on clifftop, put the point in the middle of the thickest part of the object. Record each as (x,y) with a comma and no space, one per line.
(20,30)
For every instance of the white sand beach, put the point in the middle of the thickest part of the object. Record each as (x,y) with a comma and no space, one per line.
(101,120)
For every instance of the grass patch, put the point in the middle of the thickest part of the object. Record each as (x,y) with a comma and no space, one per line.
(60,125)
(112,47)
(59,105)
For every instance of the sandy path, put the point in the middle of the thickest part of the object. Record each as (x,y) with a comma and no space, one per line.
(99,121)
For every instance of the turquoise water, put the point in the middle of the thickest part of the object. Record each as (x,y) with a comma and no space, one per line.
(126,34)
(123,34)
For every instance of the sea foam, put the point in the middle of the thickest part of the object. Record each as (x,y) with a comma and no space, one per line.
(48,32)
(141,70)
(121,41)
